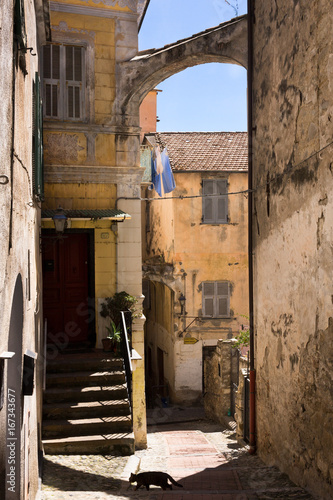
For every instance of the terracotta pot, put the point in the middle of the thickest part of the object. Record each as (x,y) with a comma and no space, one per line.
(109,345)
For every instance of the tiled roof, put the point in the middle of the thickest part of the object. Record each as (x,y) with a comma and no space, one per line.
(207,151)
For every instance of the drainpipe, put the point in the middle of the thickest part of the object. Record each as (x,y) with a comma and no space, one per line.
(250,6)
(10,240)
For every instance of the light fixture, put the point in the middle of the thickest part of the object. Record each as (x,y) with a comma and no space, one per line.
(60,221)
(182,299)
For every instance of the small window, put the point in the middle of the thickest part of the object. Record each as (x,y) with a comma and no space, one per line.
(215,201)
(216,299)
(64,82)
(19,24)
(146,293)
(37,141)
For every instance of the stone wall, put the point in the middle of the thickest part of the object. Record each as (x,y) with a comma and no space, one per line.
(217,375)
(20,264)
(292,224)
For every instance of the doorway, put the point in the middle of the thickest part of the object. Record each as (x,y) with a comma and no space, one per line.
(68,298)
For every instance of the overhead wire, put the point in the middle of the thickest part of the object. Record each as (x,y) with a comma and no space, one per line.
(272,179)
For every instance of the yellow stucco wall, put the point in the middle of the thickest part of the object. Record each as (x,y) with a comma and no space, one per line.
(198,252)
(93,196)
(66,147)
(91,143)
(95,3)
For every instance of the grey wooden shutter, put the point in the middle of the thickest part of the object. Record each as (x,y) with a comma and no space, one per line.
(208,299)
(51,80)
(222,298)
(207,202)
(74,82)
(64,80)
(221,201)
(215,208)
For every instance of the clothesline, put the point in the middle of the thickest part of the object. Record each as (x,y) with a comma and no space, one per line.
(182,197)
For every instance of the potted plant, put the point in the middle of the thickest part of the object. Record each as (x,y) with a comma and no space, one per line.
(112,307)
(111,342)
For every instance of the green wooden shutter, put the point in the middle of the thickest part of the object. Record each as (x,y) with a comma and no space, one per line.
(37,158)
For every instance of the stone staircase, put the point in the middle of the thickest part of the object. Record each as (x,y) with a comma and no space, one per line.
(86,408)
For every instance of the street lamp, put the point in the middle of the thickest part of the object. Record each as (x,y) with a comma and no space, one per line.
(60,220)
(182,300)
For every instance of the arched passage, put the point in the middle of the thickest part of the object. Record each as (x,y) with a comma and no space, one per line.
(226,43)
(13,396)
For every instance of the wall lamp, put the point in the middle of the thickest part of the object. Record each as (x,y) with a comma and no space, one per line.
(182,300)
(60,221)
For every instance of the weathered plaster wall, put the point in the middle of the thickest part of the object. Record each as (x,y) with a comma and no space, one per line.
(293,224)
(217,370)
(148,113)
(174,236)
(107,155)
(19,246)
(182,252)
(159,327)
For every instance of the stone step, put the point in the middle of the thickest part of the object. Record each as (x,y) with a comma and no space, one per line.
(86,378)
(53,429)
(86,409)
(79,394)
(106,444)
(80,364)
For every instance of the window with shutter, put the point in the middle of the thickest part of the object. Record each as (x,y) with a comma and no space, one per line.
(216,299)
(19,24)
(215,207)
(146,293)
(37,139)
(64,81)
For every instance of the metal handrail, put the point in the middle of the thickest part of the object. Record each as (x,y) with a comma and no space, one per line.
(125,345)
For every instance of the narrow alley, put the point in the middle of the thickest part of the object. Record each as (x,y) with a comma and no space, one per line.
(201,455)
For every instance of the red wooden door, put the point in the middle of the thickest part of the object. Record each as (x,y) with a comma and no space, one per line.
(65,288)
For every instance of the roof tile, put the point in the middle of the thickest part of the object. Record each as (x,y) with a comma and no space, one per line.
(206,151)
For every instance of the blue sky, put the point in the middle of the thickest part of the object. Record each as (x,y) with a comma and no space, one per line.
(207,97)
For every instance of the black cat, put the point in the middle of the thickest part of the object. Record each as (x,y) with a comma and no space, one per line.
(155,478)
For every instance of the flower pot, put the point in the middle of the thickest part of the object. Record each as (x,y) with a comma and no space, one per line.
(109,345)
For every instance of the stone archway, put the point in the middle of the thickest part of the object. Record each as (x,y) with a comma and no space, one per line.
(14,396)
(226,43)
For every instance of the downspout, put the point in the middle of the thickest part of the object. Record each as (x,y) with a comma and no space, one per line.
(250,6)
(10,242)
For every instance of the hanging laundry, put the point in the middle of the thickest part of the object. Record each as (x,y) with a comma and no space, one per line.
(162,176)
(159,164)
(155,177)
(167,175)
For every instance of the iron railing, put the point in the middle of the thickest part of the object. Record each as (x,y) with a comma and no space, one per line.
(126,348)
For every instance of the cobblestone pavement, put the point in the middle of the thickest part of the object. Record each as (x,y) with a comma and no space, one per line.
(201,455)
